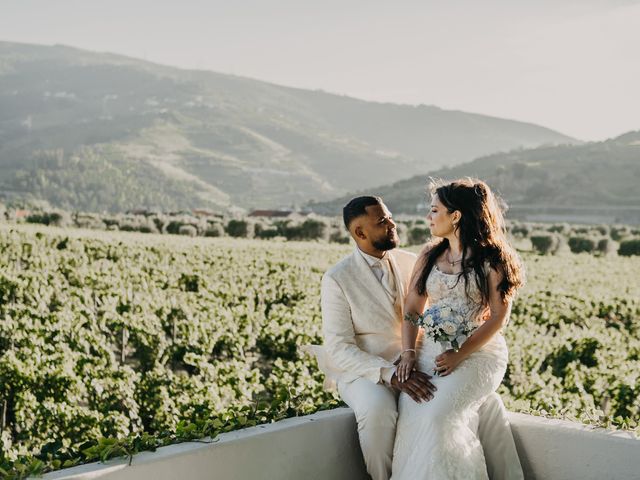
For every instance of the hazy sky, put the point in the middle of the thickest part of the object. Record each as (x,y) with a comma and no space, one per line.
(571,65)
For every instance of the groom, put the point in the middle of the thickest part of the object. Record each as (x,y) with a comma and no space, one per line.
(362,299)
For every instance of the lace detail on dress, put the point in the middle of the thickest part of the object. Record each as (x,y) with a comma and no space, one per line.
(452,289)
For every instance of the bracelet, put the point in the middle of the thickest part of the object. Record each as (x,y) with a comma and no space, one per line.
(408,350)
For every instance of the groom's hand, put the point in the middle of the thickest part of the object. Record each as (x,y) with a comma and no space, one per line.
(418,386)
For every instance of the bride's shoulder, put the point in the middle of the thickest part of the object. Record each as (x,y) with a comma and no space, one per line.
(493,270)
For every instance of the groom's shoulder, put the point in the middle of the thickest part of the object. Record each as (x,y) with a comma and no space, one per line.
(404,255)
(343,266)
(405,260)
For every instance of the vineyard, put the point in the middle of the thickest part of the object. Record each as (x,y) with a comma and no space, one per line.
(112,342)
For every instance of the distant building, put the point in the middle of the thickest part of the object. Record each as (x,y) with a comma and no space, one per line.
(21,214)
(281,214)
(271,213)
(203,212)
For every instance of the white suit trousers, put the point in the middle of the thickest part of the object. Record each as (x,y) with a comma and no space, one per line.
(376,410)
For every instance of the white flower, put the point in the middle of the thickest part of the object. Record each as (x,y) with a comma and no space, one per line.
(460,339)
(449,328)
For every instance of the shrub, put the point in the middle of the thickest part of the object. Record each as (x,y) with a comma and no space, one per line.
(618,233)
(189,230)
(581,244)
(159,223)
(214,230)
(548,243)
(290,232)
(267,233)
(59,219)
(128,227)
(401,230)
(148,227)
(544,243)
(563,228)
(520,230)
(603,230)
(258,228)
(108,222)
(173,227)
(312,229)
(139,224)
(238,228)
(94,221)
(607,246)
(630,247)
(418,236)
(339,236)
(281,226)
(37,218)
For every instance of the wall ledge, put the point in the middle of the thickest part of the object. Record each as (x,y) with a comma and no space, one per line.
(325,445)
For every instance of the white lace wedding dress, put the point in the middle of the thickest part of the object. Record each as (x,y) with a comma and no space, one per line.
(438,440)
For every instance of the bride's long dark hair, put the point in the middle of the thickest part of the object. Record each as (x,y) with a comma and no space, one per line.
(482,238)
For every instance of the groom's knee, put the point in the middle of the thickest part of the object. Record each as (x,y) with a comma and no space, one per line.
(378,411)
(373,404)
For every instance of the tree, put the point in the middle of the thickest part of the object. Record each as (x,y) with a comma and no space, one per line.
(418,236)
(629,247)
(237,228)
(579,244)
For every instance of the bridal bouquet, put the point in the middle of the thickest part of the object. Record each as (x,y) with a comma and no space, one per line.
(446,325)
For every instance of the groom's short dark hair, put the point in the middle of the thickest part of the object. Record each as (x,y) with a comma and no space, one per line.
(357,207)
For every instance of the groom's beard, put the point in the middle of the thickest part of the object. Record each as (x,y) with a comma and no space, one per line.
(386,243)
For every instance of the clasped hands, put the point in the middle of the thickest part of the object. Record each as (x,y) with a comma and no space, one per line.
(414,383)
(417,384)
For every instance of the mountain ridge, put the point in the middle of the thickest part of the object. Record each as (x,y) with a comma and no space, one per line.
(214,140)
(602,176)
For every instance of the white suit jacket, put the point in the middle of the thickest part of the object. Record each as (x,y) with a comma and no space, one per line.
(361,324)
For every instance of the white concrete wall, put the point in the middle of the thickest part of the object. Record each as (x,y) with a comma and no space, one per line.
(561,450)
(324,446)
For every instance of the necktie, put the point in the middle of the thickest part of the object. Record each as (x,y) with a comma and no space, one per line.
(388,280)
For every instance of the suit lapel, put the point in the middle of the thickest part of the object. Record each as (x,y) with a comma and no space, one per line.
(400,283)
(367,278)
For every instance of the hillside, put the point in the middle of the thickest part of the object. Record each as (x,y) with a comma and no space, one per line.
(598,176)
(96,131)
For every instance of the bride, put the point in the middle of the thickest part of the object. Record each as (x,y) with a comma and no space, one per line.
(472,272)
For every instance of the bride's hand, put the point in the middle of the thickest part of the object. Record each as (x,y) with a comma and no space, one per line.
(406,365)
(447,362)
